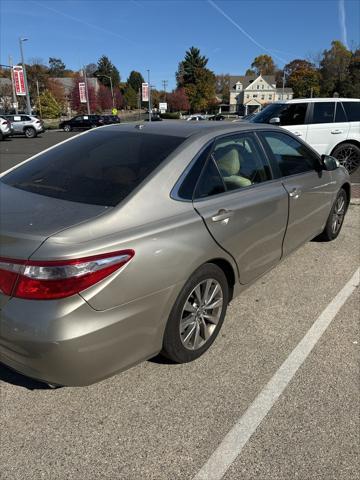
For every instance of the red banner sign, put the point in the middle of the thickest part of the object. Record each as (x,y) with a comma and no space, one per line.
(82,92)
(145,92)
(19,81)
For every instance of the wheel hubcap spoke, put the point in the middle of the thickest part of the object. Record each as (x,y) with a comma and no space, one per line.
(201,314)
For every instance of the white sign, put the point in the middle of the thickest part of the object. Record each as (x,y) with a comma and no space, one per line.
(145,92)
(163,107)
(19,81)
(82,92)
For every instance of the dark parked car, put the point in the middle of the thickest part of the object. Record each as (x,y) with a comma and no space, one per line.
(82,122)
(216,118)
(110,119)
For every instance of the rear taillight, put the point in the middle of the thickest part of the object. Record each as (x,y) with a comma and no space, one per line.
(39,280)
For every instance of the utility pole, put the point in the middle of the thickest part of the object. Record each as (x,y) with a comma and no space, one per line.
(283,86)
(86,91)
(139,102)
(149,87)
(38,96)
(28,105)
(13,86)
(164,82)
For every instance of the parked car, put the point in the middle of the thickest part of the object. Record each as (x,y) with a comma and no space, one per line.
(82,122)
(195,118)
(216,118)
(130,240)
(330,125)
(110,119)
(155,117)
(28,125)
(6,129)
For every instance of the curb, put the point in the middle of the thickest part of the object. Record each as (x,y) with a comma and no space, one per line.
(355,201)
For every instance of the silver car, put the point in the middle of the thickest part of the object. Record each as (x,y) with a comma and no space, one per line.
(27,125)
(131,240)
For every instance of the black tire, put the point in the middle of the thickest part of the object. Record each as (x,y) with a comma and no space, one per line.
(173,342)
(30,132)
(348,155)
(67,128)
(331,231)
(1,137)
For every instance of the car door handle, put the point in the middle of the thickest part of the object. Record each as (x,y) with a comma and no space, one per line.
(299,134)
(295,193)
(222,215)
(334,132)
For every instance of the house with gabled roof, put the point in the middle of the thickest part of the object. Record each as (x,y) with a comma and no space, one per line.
(249,93)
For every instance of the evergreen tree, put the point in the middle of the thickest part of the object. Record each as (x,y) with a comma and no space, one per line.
(105,67)
(135,80)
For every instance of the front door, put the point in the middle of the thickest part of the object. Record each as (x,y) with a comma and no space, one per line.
(244,210)
(309,187)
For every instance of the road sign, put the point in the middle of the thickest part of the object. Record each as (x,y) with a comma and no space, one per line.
(19,81)
(82,92)
(145,92)
(114,111)
(163,107)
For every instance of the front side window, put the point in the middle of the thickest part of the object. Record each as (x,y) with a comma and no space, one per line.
(290,156)
(288,113)
(101,168)
(352,110)
(323,112)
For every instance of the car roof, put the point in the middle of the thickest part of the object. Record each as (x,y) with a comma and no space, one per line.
(316,100)
(185,129)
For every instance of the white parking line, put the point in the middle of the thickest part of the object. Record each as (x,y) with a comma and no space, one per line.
(233,443)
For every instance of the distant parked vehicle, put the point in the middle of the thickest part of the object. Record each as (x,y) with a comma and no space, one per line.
(330,125)
(155,117)
(110,119)
(195,118)
(217,118)
(82,122)
(6,129)
(28,125)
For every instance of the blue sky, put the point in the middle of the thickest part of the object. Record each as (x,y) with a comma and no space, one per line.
(142,34)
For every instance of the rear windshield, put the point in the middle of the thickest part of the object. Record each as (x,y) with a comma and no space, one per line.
(100,168)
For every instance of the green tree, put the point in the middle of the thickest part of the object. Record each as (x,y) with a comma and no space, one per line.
(198,81)
(189,67)
(250,73)
(130,97)
(48,105)
(56,67)
(334,70)
(222,87)
(302,77)
(263,65)
(105,67)
(135,80)
(354,71)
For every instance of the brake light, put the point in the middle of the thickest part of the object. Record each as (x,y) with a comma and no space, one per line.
(39,280)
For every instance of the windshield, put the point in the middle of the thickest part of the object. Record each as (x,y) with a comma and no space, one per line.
(101,168)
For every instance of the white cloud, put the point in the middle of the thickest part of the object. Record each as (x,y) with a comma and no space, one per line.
(342,20)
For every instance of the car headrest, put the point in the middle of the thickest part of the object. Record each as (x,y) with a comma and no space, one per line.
(228,160)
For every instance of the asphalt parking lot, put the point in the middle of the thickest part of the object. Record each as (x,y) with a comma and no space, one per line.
(161,421)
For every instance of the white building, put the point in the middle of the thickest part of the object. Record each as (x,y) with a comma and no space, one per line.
(249,93)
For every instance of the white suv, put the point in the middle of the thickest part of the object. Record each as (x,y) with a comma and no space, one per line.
(330,125)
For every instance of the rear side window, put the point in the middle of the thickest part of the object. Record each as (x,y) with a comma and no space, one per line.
(101,168)
(352,110)
(24,118)
(323,112)
(210,182)
(187,187)
(291,156)
(339,113)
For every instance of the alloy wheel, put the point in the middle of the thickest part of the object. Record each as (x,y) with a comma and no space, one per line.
(338,214)
(201,314)
(348,157)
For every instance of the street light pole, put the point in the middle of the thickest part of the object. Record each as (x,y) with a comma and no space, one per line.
(13,86)
(28,105)
(149,90)
(86,91)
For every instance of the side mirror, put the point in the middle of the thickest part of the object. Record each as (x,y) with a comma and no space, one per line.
(329,163)
(275,121)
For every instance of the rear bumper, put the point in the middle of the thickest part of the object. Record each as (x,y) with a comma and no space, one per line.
(69,343)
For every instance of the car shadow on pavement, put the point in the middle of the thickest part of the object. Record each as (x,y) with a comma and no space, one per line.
(159,359)
(10,376)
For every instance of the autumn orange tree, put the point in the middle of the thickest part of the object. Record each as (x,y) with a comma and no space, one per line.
(303,77)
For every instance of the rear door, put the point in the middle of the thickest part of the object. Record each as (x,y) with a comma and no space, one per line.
(244,209)
(328,126)
(18,124)
(310,188)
